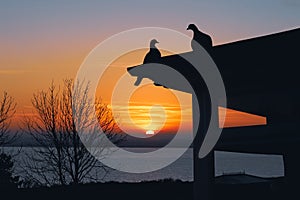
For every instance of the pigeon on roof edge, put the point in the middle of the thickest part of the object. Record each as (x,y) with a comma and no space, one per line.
(201,38)
(153,54)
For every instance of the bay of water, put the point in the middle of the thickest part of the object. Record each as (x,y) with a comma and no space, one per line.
(182,169)
(225,163)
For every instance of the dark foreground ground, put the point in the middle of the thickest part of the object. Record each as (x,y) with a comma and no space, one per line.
(158,190)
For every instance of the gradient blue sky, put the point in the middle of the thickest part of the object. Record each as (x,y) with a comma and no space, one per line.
(226,20)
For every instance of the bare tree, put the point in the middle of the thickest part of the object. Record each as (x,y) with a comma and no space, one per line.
(7,110)
(45,164)
(61,157)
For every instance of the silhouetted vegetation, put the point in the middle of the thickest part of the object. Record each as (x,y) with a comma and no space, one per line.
(62,158)
(7,180)
(158,190)
(7,110)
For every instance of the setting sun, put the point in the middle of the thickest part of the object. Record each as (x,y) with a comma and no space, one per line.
(150,132)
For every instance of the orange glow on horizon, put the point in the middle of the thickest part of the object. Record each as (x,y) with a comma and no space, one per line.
(236,118)
(141,101)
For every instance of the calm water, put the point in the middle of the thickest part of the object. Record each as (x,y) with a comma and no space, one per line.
(260,165)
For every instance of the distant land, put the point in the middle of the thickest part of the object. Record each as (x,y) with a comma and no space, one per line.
(158,140)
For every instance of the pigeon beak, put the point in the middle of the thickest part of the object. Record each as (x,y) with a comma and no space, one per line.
(187,28)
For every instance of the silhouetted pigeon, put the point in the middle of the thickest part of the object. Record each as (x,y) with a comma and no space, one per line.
(203,39)
(154,54)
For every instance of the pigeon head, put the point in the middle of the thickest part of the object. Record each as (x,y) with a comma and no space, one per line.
(192,27)
(153,42)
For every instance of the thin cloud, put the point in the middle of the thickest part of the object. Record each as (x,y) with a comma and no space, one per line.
(12,71)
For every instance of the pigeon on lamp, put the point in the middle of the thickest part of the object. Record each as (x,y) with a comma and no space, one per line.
(200,38)
(154,54)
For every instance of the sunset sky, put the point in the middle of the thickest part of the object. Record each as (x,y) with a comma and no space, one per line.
(43,41)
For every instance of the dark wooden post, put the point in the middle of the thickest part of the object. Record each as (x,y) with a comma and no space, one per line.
(204,171)
(291,169)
